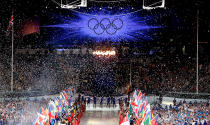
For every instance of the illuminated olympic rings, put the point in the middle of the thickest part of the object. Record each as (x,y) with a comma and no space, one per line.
(105,25)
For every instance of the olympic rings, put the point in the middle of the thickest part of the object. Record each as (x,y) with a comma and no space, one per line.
(105,25)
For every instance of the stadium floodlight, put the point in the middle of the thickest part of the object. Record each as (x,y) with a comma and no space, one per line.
(152,6)
(108,1)
(74,4)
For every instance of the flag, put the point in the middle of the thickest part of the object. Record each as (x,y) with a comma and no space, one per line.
(51,116)
(146,121)
(51,113)
(142,106)
(125,121)
(138,121)
(134,104)
(64,96)
(147,107)
(154,121)
(41,110)
(41,119)
(136,109)
(56,102)
(139,96)
(11,23)
(135,94)
(46,112)
(148,114)
(139,102)
(52,107)
(36,121)
(130,112)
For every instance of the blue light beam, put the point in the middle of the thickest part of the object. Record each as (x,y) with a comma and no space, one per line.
(103,27)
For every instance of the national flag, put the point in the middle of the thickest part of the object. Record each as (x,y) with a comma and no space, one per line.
(133,103)
(41,119)
(56,102)
(64,96)
(41,110)
(138,121)
(51,116)
(142,115)
(143,96)
(11,23)
(142,109)
(143,106)
(136,109)
(154,121)
(66,91)
(139,96)
(139,102)
(148,114)
(135,94)
(11,20)
(70,101)
(130,112)
(146,121)
(36,121)
(147,107)
(52,107)
(59,107)
(125,121)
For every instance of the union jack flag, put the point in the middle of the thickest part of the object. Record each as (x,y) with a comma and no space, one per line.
(11,23)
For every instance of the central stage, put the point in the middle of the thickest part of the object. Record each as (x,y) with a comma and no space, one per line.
(100,118)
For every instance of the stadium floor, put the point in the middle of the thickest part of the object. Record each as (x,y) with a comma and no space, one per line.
(100,118)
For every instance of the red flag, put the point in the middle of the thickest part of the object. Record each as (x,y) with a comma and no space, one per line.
(133,103)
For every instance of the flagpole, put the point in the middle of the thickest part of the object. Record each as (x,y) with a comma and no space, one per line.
(197,54)
(130,73)
(12,59)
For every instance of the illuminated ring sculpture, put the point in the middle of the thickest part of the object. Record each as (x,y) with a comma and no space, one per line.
(105,25)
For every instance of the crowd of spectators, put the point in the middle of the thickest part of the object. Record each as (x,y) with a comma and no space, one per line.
(37,73)
(33,72)
(170,75)
(5,73)
(20,112)
(183,113)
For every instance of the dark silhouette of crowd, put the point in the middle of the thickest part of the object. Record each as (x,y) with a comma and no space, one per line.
(156,74)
